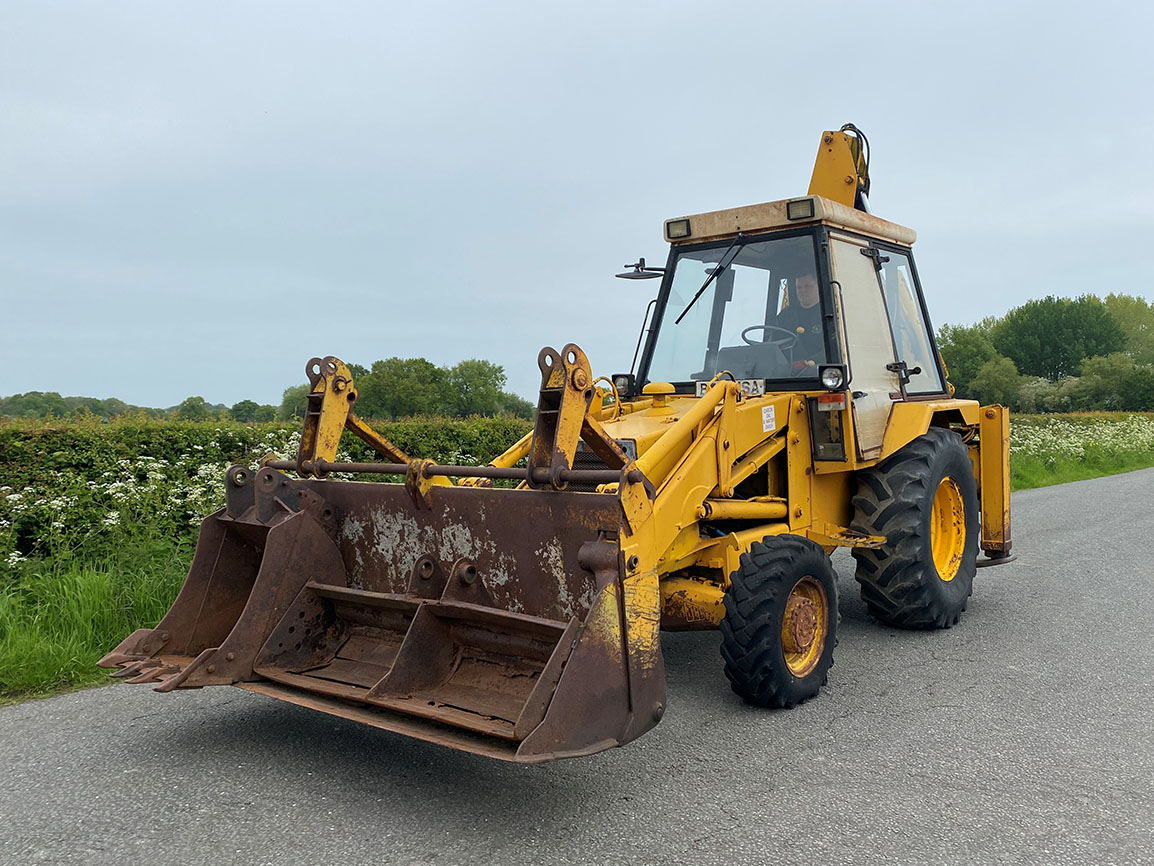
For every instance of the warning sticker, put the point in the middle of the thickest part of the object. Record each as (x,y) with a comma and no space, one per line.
(768,422)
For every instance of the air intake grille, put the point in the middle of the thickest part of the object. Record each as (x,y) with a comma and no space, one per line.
(586,459)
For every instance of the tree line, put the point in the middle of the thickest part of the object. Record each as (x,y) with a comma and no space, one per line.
(1057,355)
(403,387)
(1048,355)
(389,389)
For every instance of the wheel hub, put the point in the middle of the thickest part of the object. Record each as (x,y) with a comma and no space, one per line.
(948,529)
(800,625)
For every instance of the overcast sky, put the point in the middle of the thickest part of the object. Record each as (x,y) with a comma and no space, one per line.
(196,198)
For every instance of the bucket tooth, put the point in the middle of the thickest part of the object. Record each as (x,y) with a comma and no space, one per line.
(154,674)
(130,669)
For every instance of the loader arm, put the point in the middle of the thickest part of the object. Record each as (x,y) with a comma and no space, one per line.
(696,466)
(329,412)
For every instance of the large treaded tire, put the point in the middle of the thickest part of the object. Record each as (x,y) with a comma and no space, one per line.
(900,582)
(752,643)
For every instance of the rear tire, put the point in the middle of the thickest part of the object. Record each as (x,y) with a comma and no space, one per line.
(780,624)
(924,500)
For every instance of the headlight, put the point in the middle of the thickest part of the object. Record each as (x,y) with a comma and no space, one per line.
(832,377)
(799,209)
(625,384)
(675,229)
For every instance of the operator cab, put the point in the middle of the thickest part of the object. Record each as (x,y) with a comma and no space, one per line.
(772,292)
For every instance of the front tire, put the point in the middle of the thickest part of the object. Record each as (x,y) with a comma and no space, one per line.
(924,500)
(780,624)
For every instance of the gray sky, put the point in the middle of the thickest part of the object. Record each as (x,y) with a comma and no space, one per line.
(196,198)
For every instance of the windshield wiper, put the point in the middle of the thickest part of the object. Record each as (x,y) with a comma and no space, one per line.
(716,272)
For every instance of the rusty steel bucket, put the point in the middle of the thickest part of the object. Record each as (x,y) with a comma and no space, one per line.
(494,621)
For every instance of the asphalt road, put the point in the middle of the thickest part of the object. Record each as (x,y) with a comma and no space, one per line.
(1023,735)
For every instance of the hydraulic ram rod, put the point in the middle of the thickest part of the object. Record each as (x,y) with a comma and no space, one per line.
(588,476)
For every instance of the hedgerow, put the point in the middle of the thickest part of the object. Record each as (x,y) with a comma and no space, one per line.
(74,488)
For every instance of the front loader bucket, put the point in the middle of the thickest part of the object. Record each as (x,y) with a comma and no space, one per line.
(499,622)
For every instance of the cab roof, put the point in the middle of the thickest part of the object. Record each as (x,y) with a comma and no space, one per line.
(804,211)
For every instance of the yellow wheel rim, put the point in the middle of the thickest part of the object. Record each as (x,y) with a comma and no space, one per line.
(948,529)
(805,626)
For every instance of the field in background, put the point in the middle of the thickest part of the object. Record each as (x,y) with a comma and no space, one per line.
(98,520)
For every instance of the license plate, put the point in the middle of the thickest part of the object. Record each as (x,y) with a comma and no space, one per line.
(751,387)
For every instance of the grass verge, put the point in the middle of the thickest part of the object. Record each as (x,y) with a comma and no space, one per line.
(60,617)
(1029,472)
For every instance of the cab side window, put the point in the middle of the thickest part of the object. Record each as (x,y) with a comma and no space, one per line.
(911,335)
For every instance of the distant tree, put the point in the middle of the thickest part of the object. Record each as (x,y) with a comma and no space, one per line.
(965,349)
(399,387)
(293,402)
(1064,396)
(476,387)
(403,387)
(192,409)
(1135,316)
(113,407)
(244,411)
(1138,389)
(265,412)
(1051,336)
(1104,380)
(511,404)
(1031,393)
(997,381)
(85,405)
(34,404)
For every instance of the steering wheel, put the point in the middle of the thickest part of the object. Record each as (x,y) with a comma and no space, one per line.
(784,343)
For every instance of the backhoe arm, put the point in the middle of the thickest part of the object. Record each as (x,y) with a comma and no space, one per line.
(841,170)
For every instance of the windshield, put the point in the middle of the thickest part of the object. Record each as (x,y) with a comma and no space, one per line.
(760,318)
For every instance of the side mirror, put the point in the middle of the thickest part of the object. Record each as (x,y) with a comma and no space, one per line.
(640,272)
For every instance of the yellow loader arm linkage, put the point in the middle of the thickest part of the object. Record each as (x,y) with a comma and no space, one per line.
(329,413)
(332,395)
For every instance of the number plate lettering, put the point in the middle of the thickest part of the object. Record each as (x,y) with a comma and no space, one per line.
(751,387)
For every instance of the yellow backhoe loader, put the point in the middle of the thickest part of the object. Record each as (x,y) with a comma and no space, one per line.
(788,400)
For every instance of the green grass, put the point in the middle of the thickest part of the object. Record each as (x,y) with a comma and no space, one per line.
(60,617)
(1030,472)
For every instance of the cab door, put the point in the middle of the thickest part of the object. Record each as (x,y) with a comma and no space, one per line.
(866,341)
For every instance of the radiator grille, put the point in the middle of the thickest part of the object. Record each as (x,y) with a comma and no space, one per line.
(586,459)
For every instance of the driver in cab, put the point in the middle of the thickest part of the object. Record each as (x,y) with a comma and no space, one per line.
(803,318)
